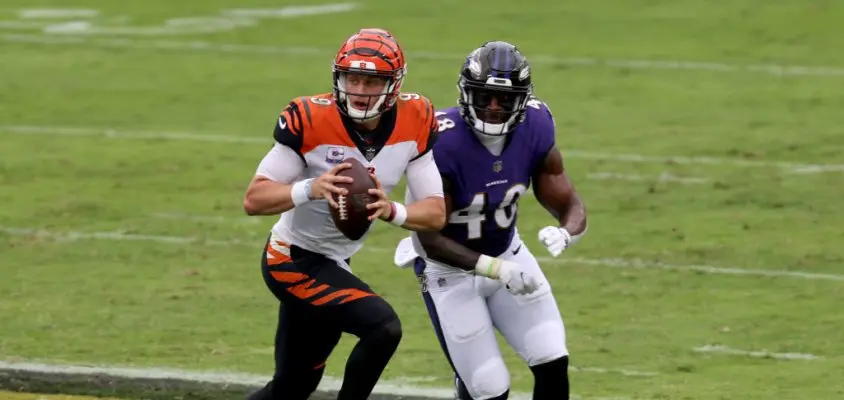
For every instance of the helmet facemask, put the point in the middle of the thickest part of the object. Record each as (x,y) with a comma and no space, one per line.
(367,106)
(493,109)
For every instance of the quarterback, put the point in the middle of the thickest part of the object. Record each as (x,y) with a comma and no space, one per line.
(306,260)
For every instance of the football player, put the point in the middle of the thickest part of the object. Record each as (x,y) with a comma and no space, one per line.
(476,273)
(305,262)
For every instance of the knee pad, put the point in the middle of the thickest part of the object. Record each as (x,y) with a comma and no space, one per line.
(490,381)
(545,342)
(388,333)
(391,330)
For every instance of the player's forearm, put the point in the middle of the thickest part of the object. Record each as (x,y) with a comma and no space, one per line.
(425,215)
(572,216)
(267,197)
(440,248)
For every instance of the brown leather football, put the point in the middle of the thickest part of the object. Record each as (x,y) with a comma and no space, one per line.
(352,218)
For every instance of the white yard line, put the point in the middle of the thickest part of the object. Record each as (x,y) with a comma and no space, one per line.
(585,62)
(794,167)
(114,235)
(57,13)
(209,218)
(403,386)
(131,134)
(620,371)
(758,354)
(80,22)
(291,11)
(632,263)
(663,177)
(598,262)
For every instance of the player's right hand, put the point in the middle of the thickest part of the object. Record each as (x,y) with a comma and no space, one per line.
(324,186)
(517,279)
(514,276)
(382,206)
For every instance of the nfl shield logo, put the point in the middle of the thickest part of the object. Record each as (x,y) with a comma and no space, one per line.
(370,153)
(496,166)
(335,155)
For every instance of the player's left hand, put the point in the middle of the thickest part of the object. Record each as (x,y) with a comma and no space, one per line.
(382,206)
(555,239)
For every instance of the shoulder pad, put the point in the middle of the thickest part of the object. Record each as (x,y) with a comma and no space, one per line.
(416,114)
(298,117)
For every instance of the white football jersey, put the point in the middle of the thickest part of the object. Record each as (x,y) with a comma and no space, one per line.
(312,127)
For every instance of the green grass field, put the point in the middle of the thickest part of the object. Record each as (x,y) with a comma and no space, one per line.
(33,396)
(95,266)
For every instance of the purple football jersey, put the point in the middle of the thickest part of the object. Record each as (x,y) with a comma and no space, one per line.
(485,188)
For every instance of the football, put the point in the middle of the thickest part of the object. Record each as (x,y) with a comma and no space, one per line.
(352,217)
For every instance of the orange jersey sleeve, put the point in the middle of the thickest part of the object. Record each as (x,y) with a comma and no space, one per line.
(415,122)
(307,122)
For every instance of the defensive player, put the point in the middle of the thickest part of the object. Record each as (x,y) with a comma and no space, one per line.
(476,273)
(306,260)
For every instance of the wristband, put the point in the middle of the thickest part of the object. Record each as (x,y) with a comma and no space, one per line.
(398,214)
(300,193)
(488,266)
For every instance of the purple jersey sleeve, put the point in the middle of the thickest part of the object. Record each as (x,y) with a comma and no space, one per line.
(444,148)
(543,129)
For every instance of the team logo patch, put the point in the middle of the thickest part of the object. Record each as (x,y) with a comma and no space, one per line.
(335,155)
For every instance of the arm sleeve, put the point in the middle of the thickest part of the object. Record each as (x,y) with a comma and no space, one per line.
(281,164)
(423,177)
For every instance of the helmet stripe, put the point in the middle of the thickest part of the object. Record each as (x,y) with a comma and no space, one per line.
(495,64)
(507,66)
(370,52)
(382,43)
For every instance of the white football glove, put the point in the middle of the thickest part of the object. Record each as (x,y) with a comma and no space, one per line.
(555,239)
(515,277)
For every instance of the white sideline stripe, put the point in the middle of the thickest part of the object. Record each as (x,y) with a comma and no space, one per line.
(602,262)
(396,387)
(327,384)
(793,167)
(663,177)
(678,65)
(759,354)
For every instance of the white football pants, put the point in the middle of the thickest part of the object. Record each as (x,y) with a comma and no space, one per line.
(465,308)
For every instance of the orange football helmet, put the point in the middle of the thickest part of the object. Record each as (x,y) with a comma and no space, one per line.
(373,52)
